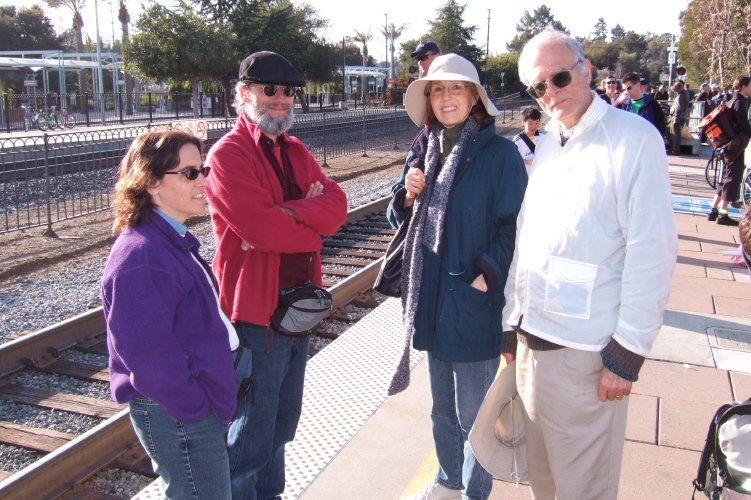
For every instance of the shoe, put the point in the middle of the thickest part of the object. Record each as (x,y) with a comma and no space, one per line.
(435,491)
(725,220)
(712,216)
(737,204)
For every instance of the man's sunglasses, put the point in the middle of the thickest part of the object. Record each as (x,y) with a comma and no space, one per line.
(424,57)
(271,90)
(561,79)
(192,173)
(612,83)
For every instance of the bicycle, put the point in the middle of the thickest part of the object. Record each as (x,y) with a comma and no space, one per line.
(62,118)
(29,118)
(45,120)
(715,168)
(746,187)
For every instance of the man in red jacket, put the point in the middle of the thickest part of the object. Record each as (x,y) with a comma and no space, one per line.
(269,202)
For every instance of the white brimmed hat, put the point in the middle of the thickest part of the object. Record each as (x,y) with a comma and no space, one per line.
(448,67)
(497,438)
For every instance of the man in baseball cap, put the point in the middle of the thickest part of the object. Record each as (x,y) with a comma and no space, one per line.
(270,203)
(425,52)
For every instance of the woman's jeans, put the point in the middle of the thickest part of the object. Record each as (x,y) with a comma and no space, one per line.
(458,390)
(268,414)
(191,458)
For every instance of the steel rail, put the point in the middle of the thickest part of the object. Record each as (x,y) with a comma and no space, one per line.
(88,453)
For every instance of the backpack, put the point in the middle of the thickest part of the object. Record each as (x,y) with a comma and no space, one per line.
(726,459)
(719,126)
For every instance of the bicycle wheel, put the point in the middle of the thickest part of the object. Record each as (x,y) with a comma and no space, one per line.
(43,121)
(746,188)
(69,120)
(57,120)
(713,170)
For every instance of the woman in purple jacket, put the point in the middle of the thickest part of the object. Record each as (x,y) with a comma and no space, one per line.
(170,345)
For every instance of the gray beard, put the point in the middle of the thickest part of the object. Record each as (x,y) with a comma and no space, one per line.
(267,124)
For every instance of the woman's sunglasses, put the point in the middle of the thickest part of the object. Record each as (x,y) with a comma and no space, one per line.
(271,90)
(192,173)
(561,79)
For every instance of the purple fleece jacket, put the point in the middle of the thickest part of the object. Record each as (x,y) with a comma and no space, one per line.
(165,337)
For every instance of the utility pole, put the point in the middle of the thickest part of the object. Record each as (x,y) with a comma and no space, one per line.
(487,52)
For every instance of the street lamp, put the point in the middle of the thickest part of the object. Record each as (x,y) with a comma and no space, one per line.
(344,71)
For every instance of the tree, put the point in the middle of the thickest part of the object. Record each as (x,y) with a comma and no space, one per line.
(716,39)
(508,64)
(25,29)
(280,26)
(450,33)
(124,17)
(179,45)
(75,7)
(364,38)
(532,24)
(391,33)
(617,32)
(600,33)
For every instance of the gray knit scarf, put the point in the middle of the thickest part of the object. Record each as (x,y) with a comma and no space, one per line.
(426,229)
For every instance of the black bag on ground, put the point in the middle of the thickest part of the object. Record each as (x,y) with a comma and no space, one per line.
(389,279)
(301,310)
(726,459)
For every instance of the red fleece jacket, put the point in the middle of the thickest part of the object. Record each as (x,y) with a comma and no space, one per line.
(246,203)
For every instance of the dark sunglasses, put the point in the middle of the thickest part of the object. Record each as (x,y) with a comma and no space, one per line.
(612,83)
(271,90)
(561,79)
(424,57)
(192,173)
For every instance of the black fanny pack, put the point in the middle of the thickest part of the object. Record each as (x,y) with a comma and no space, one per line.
(301,310)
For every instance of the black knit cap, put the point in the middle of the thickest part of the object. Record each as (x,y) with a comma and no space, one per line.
(270,67)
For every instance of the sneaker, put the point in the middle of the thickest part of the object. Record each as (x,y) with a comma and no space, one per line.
(725,220)
(435,491)
(737,204)
(713,215)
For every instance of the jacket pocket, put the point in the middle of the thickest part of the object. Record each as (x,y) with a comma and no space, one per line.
(467,311)
(568,287)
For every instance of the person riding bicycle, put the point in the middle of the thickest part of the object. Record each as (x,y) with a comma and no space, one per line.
(727,190)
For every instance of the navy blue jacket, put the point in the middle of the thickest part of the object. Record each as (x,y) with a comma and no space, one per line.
(651,111)
(454,321)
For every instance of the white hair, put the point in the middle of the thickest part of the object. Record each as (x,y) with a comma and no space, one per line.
(549,36)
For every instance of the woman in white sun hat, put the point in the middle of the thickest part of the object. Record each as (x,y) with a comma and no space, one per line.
(462,213)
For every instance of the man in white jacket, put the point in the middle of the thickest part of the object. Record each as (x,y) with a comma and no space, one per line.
(595,250)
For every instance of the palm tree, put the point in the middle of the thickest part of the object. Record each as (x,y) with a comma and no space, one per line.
(124,17)
(363,38)
(391,33)
(75,6)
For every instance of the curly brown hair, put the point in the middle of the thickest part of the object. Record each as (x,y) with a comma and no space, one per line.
(150,155)
(478,111)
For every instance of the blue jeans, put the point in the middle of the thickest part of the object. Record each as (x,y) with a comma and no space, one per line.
(191,458)
(458,390)
(268,414)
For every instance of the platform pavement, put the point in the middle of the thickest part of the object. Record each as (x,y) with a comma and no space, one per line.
(700,360)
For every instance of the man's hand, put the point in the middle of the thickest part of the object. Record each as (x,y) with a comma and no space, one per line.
(315,189)
(612,386)
(508,357)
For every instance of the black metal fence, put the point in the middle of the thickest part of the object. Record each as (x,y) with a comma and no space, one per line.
(108,108)
(49,178)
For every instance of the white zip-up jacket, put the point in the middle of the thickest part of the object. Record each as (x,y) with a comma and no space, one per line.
(596,242)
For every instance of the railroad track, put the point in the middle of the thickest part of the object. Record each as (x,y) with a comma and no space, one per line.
(71,460)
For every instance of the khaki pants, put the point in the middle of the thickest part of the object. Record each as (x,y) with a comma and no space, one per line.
(574,442)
